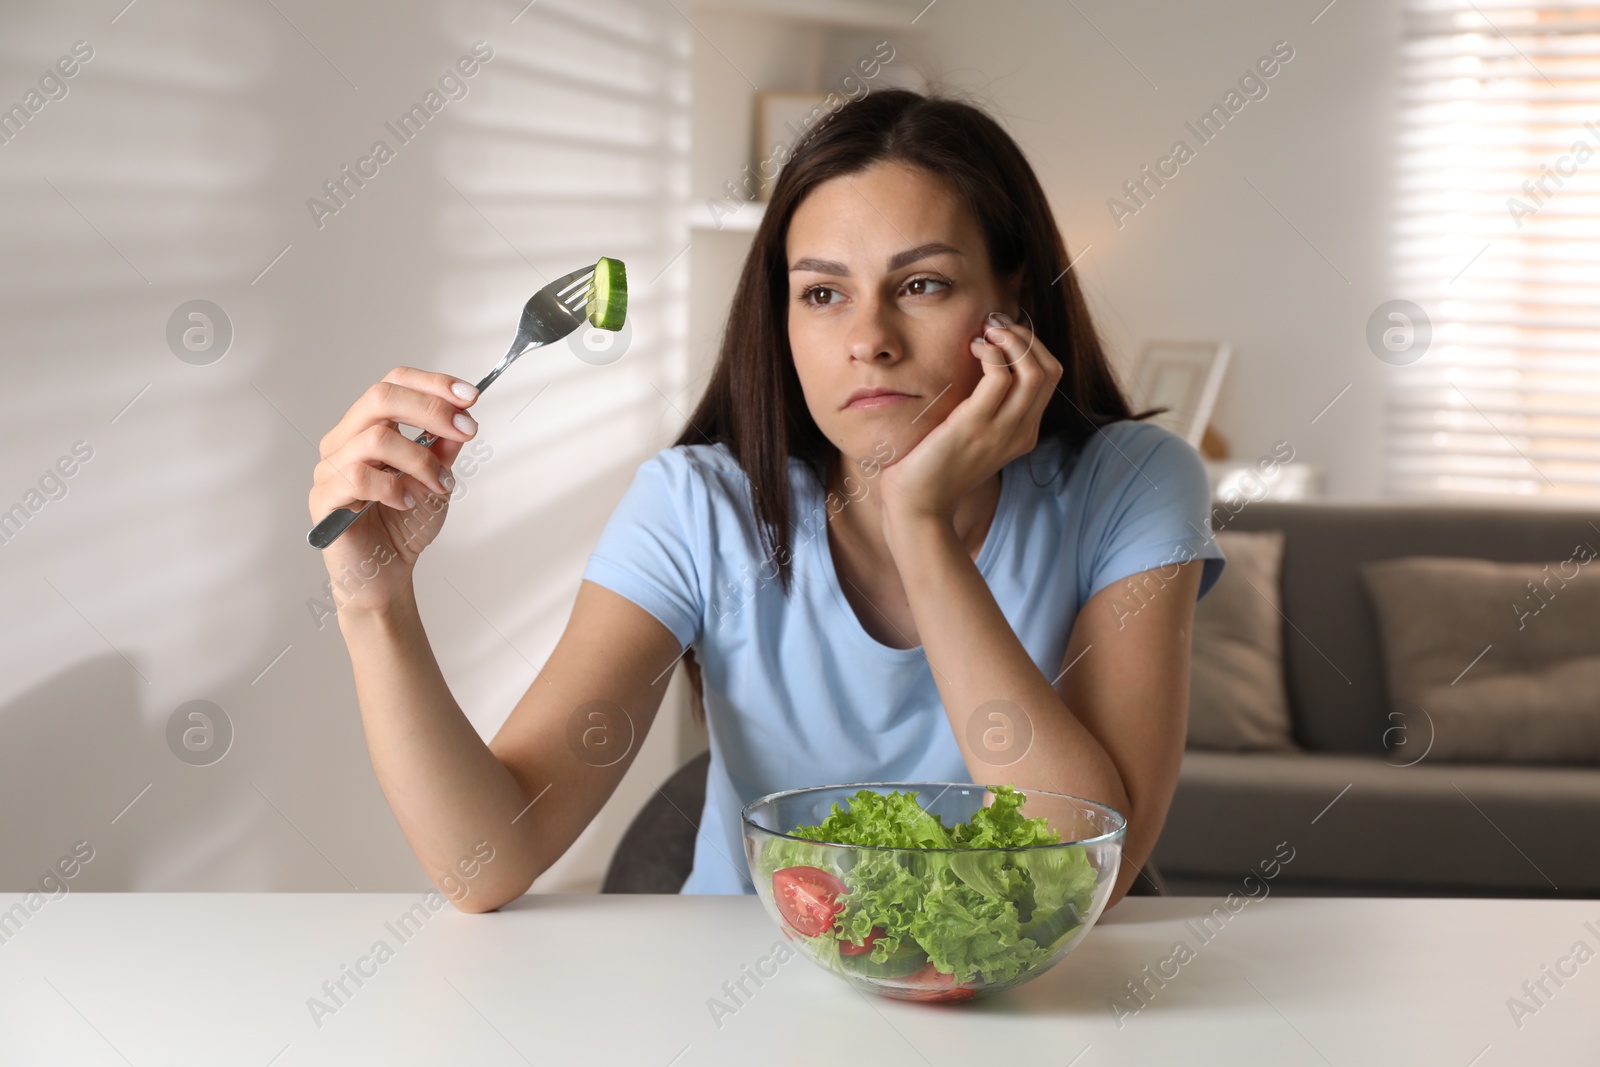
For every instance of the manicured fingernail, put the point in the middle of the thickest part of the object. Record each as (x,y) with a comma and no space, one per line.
(463,390)
(464,422)
(410,502)
(994,340)
(997,318)
(447,480)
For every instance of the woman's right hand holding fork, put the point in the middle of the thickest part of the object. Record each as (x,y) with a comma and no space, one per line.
(359,457)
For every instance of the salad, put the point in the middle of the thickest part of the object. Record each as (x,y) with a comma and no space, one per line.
(937,919)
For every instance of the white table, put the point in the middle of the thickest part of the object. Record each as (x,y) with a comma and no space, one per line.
(170,979)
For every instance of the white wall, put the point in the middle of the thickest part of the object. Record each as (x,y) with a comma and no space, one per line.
(1209,258)
(178,167)
(176,567)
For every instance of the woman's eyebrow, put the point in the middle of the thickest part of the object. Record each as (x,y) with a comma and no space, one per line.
(896,261)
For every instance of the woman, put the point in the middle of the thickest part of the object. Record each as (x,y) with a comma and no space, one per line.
(986,574)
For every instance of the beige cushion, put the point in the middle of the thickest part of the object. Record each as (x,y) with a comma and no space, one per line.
(1238,700)
(1492,661)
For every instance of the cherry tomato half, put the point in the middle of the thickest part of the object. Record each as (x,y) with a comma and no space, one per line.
(936,986)
(807,898)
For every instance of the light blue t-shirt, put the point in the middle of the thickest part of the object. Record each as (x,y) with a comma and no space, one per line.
(797,693)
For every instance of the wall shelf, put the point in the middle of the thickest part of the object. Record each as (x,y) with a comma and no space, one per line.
(862,14)
(740,49)
(745,219)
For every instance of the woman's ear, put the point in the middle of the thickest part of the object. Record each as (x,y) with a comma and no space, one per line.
(1013,291)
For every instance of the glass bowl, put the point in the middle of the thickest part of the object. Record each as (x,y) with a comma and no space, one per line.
(954,923)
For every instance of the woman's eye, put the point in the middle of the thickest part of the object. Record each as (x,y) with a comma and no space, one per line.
(916,287)
(925,282)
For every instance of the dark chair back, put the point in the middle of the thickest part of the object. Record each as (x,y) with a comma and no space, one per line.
(656,852)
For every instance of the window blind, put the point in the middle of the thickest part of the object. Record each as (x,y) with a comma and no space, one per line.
(1498,237)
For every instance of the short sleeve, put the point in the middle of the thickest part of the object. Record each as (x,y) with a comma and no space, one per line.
(646,551)
(1155,509)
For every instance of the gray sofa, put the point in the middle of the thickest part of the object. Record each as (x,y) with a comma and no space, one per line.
(1361,821)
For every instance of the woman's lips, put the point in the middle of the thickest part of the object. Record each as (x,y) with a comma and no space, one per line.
(883,400)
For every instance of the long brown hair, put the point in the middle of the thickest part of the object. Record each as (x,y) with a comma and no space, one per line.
(753,403)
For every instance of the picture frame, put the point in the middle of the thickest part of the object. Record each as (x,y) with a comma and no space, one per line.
(780,120)
(1185,376)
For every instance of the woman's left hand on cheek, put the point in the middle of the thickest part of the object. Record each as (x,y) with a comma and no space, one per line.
(987,430)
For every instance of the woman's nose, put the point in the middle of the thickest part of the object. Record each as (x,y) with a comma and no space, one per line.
(872,336)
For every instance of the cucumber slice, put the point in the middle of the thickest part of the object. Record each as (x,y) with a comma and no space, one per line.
(906,960)
(1046,930)
(608,295)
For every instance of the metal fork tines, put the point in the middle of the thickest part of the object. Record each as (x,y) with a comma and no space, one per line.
(549,315)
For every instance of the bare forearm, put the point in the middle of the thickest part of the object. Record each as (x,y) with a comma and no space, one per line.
(1143,832)
(976,658)
(448,791)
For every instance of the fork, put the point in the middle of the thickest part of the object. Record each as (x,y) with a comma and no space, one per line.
(547,317)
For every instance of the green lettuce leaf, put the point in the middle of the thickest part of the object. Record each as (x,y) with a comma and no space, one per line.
(1001,824)
(884,892)
(1060,876)
(972,935)
(893,819)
